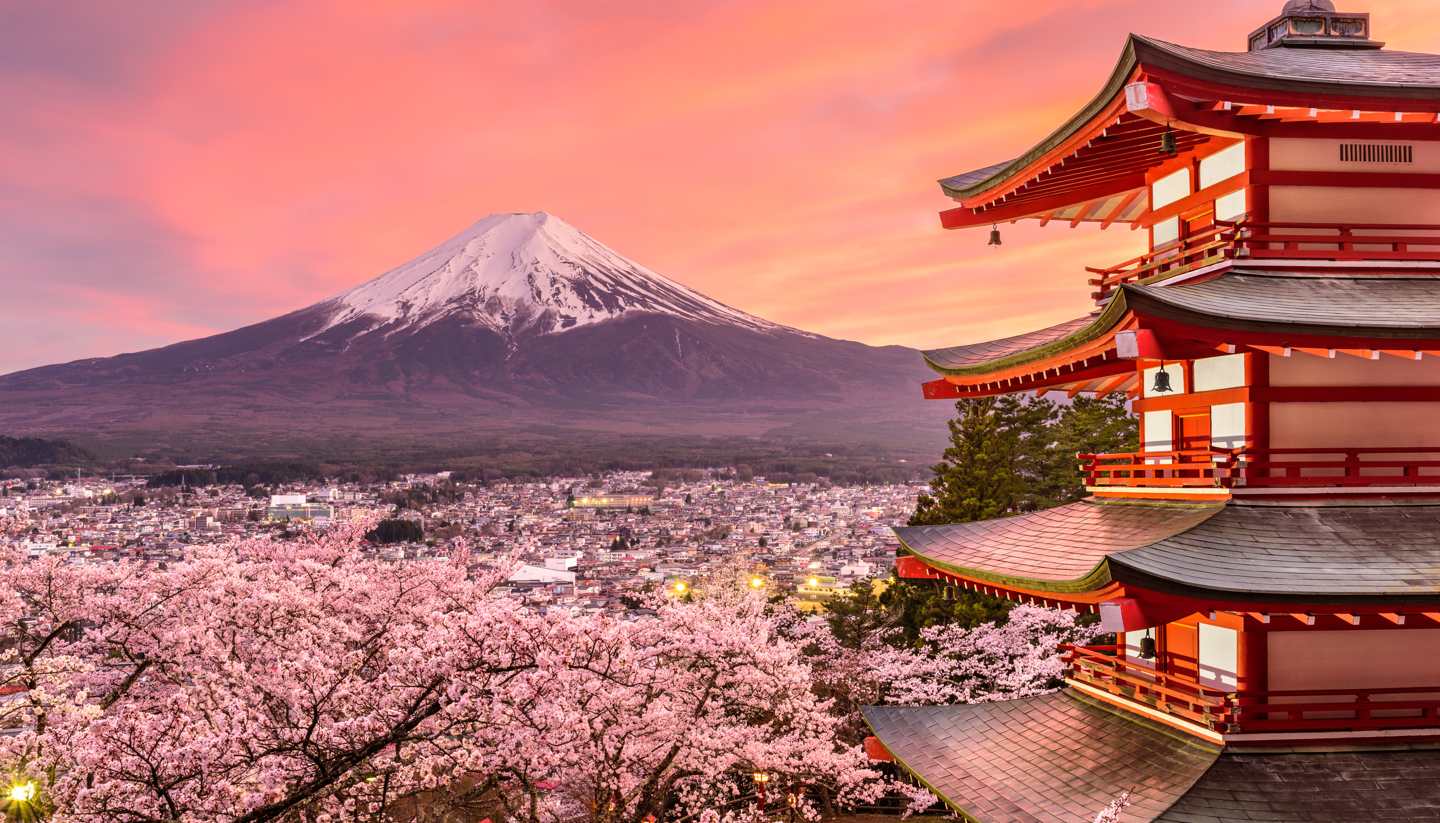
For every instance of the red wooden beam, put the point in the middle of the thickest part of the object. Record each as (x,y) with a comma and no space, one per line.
(1119,210)
(965,217)
(1347,179)
(1108,387)
(940,390)
(1195,88)
(1149,100)
(1404,354)
(1085,211)
(1194,201)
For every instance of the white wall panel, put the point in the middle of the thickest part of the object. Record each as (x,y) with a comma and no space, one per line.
(1219,655)
(1225,372)
(1227,425)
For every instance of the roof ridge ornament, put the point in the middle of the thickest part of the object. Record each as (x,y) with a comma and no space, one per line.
(1314,24)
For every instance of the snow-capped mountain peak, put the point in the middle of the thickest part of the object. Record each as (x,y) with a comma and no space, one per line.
(531,273)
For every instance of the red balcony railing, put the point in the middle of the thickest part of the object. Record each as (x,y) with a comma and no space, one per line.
(1330,241)
(1103,668)
(1203,248)
(1401,466)
(1339,710)
(1265,468)
(1319,241)
(1189,468)
(1235,712)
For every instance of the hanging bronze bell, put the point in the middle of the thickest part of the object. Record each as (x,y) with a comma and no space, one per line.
(994,235)
(1147,648)
(1167,144)
(1162,382)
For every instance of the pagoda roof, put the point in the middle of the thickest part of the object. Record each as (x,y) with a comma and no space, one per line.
(1276,306)
(1342,551)
(1055,757)
(1061,549)
(1061,757)
(1264,551)
(1388,306)
(1368,71)
(1089,169)
(987,353)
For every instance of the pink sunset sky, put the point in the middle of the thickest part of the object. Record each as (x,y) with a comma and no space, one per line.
(171,170)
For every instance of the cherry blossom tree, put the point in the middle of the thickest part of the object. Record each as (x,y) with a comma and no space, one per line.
(701,711)
(1019,657)
(306,679)
(254,681)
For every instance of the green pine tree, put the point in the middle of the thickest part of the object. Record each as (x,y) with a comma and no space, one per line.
(1087,426)
(999,447)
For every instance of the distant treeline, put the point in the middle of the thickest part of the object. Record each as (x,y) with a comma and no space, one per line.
(28,452)
(241,474)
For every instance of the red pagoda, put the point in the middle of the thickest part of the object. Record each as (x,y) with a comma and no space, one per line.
(1269,561)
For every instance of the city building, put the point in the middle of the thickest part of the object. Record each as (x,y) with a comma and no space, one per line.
(287,507)
(612,501)
(1269,561)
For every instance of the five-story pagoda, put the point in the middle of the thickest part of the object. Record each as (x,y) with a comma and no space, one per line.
(1270,559)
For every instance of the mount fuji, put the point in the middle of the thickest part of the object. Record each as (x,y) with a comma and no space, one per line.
(519,321)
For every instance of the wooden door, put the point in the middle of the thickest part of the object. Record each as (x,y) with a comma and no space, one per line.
(1192,431)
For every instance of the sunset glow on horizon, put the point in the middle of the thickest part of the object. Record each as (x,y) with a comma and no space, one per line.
(170,174)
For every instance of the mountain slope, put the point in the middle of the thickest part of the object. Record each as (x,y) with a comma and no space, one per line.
(520,321)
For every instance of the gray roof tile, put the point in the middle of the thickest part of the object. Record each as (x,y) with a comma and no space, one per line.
(1056,545)
(1345,551)
(1314,786)
(1054,757)
(1384,306)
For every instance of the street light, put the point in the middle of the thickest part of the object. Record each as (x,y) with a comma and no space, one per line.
(757,582)
(681,587)
(22,802)
(760,778)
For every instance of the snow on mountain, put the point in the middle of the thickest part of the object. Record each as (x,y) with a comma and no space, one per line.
(530,273)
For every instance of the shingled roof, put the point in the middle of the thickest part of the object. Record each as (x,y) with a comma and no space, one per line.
(1061,758)
(1390,306)
(1061,549)
(1331,72)
(1331,550)
(1314,786)
(1054,758)
(1338,551)
(978,354)
(1362,70)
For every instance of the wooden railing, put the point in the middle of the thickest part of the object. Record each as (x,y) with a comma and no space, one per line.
(1339,709)
(1210,246)
(1330,241)
(1319,241)
(1264,468)
(1103,668)
(1236,712)
(1400,466)
(1188,468)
